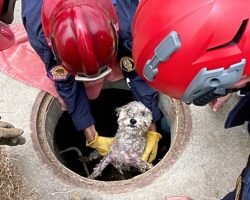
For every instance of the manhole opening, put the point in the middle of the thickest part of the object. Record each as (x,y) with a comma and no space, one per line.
(69,144)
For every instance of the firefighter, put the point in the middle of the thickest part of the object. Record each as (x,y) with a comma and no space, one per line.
(197,52)
(80,39)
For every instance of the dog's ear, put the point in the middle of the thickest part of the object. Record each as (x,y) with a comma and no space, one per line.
(118,110)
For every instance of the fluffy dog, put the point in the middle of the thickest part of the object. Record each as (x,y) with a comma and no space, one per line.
(134,119)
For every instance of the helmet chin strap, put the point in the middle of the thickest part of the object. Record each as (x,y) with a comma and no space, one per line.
(103,72)
(212,95)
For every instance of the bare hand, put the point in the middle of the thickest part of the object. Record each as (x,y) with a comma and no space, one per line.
(218,103)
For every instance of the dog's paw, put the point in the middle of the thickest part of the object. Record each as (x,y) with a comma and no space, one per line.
(92,176)
(149,166)
(145,167)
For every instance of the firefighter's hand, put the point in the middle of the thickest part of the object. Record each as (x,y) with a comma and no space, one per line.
(9,135)
(220,102)
(151,147)
(101,144)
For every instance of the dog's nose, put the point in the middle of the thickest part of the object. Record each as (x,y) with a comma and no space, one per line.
(133,121)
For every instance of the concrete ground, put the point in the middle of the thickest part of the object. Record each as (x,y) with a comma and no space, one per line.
(206,170)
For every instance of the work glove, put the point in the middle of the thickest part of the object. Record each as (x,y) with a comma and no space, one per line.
(9,135)
(101,144)
(151,147)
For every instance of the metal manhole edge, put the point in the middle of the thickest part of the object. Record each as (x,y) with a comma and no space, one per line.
(68,176)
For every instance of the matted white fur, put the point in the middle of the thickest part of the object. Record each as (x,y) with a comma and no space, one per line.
(134,119)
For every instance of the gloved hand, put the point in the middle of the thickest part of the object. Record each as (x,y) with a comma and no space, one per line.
(151,147)
(9,135)
(101,144)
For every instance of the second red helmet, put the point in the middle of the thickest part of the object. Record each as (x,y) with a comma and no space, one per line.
(82,34)
(7,37)
(192,50)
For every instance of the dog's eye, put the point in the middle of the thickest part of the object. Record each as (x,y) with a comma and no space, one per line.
(143,113)
(130,112)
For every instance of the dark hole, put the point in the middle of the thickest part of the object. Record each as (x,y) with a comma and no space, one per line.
(103,110)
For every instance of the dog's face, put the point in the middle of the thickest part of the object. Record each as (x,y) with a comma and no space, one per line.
(134,116)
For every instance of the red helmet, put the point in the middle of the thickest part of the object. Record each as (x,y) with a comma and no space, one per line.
(192,50)
(7,37)
(83,34)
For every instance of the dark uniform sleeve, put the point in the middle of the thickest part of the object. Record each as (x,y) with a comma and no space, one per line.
(71,91)
(238,116)
(240,113)
(140,90)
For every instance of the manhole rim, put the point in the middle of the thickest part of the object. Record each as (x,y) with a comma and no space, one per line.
(47,156)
